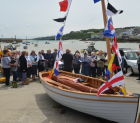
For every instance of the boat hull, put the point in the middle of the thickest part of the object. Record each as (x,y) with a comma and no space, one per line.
(119,109)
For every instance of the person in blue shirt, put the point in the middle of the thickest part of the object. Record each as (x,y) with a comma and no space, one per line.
(85,64)
(5,61)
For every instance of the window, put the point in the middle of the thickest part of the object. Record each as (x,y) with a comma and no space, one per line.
(131,55)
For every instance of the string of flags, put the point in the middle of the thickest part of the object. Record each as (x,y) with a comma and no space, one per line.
(115,63)
(114,66)
(64,7)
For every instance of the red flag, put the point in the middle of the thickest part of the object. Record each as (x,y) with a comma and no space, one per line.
(115,45)
(63,5)
(116,80)
(60,46)
(115,48)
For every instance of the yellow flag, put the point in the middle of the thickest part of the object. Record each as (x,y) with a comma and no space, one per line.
(110,63)
(50,73)
(123,90)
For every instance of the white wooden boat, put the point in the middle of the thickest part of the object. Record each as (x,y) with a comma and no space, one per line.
(113,107)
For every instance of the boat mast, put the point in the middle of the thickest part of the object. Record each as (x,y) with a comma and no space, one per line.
(105,22)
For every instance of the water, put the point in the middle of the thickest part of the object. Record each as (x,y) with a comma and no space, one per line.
(73,45)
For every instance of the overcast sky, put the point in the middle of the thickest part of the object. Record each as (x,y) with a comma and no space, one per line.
(33,18)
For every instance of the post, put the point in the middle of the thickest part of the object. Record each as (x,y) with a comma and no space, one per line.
(105,22)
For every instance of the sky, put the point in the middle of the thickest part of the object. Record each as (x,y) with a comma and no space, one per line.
(34,18)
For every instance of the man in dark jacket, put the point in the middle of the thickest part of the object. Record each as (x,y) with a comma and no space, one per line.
(54,54)
(67,58)
(23,66)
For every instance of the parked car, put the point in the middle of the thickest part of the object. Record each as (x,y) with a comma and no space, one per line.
(131,57)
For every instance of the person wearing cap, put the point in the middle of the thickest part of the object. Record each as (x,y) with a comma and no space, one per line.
(67,58)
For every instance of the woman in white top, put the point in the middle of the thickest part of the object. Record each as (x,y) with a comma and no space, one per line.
(29,65)
(34,59)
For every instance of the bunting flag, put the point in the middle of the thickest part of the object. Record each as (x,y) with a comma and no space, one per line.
(64,5)
(50,74)
(60,33)
(60,19)
(59,52)
(110,63)
(115,49)
(114,64)
(56,69)
(95,1)
(112,11)
(116,80)
(107,74)
(109,30)
(58,58)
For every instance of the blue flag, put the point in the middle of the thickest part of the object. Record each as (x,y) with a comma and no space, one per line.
(56,72)
(56,68)
(59,34)
(95,1)
(109,30)
(107,74)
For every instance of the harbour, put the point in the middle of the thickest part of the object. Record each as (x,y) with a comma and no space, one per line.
(75,65)
(73,45)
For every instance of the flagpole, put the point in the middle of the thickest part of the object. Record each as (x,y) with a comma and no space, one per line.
(105,22)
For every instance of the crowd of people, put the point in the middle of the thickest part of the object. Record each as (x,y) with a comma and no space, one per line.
(22,65)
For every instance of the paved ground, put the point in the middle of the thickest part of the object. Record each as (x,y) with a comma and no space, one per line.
(30,104)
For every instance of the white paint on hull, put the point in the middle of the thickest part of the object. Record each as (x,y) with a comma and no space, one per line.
(115,111)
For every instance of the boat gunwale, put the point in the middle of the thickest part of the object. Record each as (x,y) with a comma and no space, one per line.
(85,93)
(88,99)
